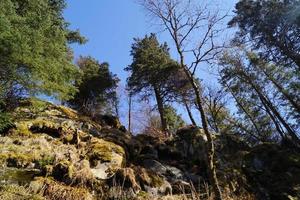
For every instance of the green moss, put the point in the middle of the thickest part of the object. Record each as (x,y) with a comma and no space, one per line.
(102,150)
(19,159)
(38,105)
(143,195)
(68,112)
(68,138)
(156,181)
(20,153)
(22,129)
(45,160)
(15,192)
(4,156)
(18,176)
(42,123)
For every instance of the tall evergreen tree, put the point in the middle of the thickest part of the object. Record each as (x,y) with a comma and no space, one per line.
(34,53)
(150,72)
(96,86)
(272,27)
(255,96)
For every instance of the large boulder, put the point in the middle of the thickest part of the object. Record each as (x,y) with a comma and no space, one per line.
(191,141)
(105,157)
(273,171)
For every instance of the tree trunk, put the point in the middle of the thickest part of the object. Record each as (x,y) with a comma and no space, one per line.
(277,125)
(289,97)
(160,105)
(189,113)
(279,117)
(210,149)
(129,112)
(209,145)
(242,107)
(272,108)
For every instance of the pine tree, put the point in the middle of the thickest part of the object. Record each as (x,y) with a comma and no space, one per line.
(96,86)
(34,52)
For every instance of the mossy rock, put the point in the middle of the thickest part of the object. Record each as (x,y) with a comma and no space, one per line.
(18,176)
(191,142)
(22,128)
(19,159)
(103,150)
(70,113)
(105,157)
(16,192)
(190,133)
(109,120)
(148,177)
(51,189)
(63,171)
(275,169)
(23,152)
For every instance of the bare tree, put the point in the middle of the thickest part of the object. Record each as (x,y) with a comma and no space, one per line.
(193,29)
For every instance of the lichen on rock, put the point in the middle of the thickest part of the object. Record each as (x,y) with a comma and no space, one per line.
(77,157)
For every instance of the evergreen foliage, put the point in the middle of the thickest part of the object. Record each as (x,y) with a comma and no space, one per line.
(174,120)
(151,72)
(96,86)
(34,53)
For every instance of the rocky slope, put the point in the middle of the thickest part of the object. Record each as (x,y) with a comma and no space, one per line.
(52,152)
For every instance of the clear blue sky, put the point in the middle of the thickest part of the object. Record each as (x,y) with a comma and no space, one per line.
(111,25)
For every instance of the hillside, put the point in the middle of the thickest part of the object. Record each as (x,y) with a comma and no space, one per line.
(52,152)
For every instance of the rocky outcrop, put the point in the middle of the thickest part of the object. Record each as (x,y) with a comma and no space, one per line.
(58,153)
(273,171)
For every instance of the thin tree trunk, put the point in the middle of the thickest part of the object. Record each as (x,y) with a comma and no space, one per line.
(210,149)
(129,112)
(161,111)
(245,129)
(277,125)
(294,103)
(189,113)
(214,124)
(243,109)
(272,108)
(210,144)
(279,117)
